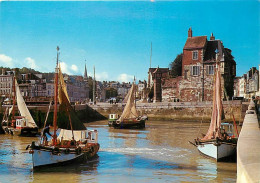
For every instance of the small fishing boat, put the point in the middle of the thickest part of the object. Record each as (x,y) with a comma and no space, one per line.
(217,143)
(73,143)
(23,124)
(129,117)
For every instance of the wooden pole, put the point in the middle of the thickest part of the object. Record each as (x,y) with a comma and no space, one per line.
(55,100)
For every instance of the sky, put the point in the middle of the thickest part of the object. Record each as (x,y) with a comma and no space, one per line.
(116,36)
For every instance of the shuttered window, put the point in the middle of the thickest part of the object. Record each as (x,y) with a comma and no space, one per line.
(210,69)
(195,70)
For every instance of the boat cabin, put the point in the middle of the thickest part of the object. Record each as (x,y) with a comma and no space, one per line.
(228,127)
(20,122)
(113,116)
(92,136)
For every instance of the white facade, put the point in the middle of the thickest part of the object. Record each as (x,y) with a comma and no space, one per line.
(242,87)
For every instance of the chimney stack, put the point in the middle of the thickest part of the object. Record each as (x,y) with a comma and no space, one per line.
(212,38)
(190,32)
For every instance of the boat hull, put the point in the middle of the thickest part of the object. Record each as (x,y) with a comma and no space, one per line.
(44,158)
(128,124)
(27,131)
(216,150)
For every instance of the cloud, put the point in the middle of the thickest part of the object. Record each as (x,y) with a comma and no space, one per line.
(31,63)
(74,68)
(6,61)
(102,76)
(125,78)
(65,68)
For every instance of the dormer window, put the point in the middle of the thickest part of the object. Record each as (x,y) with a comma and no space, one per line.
(195,55)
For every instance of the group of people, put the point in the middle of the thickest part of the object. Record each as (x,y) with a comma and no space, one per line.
(112,101)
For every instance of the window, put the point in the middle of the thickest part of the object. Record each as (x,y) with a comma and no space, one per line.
(195,70)
(195,55)
(210,69)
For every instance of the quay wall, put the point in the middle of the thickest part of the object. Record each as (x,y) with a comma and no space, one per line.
(177,110)
(154,111)
(248,148)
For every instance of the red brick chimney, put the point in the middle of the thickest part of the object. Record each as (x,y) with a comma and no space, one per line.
(190,32)
(212,38)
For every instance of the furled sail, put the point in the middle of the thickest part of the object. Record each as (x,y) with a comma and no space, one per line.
(214,128)
(130,110)
(23,108)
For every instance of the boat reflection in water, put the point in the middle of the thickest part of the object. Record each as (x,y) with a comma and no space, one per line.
(160,153)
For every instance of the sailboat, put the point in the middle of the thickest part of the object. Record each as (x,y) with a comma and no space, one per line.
(129,117)
(23,124)
(217,143)
(74,142)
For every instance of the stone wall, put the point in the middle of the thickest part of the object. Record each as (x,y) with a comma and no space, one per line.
(175,110)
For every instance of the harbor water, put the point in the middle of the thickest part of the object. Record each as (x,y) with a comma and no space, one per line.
(158,153)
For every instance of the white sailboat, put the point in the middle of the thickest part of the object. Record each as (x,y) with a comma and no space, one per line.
(74,142)
(129,117)
(19,125)
(217,143)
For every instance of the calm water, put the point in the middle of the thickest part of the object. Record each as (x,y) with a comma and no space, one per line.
(160,153)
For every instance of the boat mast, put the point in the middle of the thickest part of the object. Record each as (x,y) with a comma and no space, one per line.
(134,92)
(55,99)
(14,94)
(94,88)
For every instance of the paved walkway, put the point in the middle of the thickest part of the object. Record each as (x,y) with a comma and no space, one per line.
(248,149)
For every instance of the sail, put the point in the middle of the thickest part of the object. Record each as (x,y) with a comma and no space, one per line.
(214,128)
(126,97)
(130,110)
(67,117)
(62,85)
(23,108)
(10,110)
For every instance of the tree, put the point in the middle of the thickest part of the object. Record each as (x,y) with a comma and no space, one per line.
(111,92)
(176,66)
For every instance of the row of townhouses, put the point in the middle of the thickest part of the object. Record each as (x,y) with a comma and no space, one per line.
(34,87)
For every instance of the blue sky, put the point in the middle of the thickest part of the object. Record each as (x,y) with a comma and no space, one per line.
(116,36)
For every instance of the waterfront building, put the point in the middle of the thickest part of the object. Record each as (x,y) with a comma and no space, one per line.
(198,66)
(164,71)
(123,89)
(32,85)
(252,82)
(6,83)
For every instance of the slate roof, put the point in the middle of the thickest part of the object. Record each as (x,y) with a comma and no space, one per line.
(195,42)
(162,70)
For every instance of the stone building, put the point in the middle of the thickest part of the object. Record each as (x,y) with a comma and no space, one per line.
(198,67)
(156,76)
(164,71)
